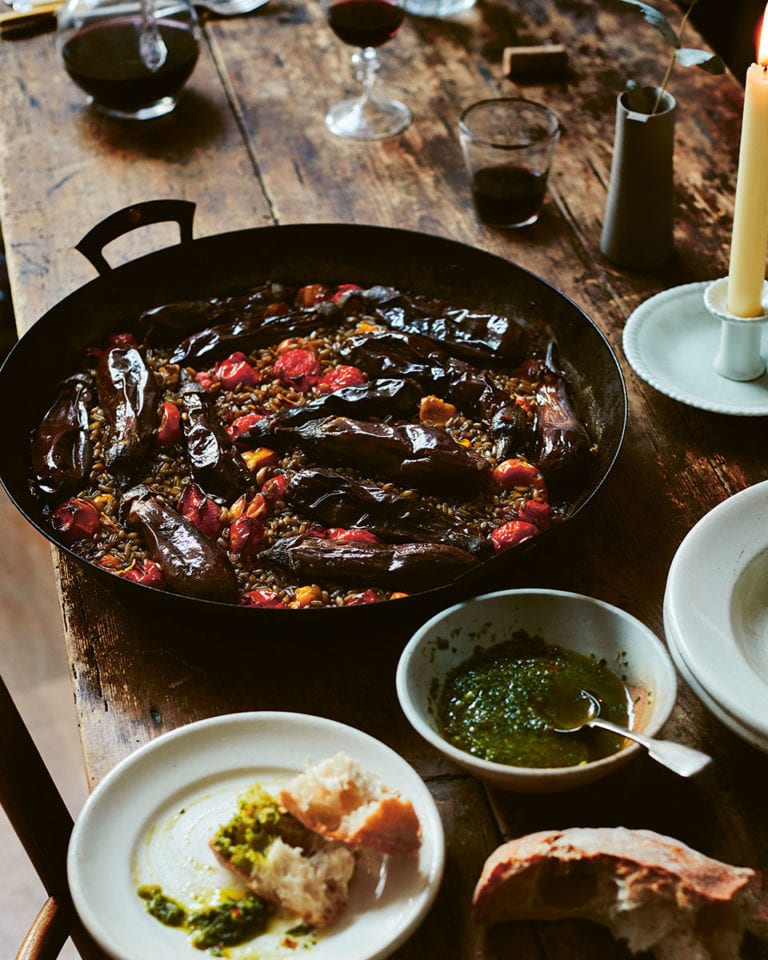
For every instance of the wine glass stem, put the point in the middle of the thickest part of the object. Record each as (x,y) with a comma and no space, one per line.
(366,63)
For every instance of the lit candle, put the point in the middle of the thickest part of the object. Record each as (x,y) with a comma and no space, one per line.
(749,243)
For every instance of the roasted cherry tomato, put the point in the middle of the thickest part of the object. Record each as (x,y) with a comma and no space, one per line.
(338,377)
(358,599)
(312,294)
(346,299)
(122,340)
(274,488)
(353,535)
(236,371)
(201,511)
(511,533)
(344,289)
(517,473)
(204,378)
(298,368)
(76,520)
(241,424)
(169,430)
(537,512)
(148,573)
(262,598)
(246,536)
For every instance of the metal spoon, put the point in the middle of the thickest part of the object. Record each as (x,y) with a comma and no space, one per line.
(682,760)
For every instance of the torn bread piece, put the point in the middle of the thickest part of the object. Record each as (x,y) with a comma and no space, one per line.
(283,862)
(339,800)
(651,891)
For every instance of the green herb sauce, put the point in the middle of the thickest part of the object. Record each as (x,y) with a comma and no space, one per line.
(229,923)
(233,921)
(502,703)
(259,821)
(245,840)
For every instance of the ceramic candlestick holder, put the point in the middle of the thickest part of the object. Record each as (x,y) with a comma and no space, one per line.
(739,356)
(686,344)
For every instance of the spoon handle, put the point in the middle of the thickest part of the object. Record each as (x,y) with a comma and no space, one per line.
(682,760)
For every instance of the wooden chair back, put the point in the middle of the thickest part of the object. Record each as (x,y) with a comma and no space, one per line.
(38,814)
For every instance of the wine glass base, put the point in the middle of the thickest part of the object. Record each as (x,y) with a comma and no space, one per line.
(368,119)
(159,108)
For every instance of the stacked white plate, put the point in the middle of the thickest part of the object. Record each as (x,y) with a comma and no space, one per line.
(716,612)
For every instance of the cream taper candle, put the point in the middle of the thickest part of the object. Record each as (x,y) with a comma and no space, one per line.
(749,243)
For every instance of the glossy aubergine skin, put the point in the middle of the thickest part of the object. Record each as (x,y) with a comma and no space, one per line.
(129,395)
(214,462)
(192,564)
(62,450)
(564,446)
(470,390)
(335,500)
(246,333)
(163,325)
(419,358)
(480,337)
(411,454)
(384,399)
(405,566)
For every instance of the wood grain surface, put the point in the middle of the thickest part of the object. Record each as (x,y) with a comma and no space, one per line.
(248,145)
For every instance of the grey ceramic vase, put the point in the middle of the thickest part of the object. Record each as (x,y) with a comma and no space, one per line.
(638,223)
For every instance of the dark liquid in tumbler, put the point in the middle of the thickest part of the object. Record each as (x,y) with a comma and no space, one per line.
(365,23)
(104,61)
(507,194)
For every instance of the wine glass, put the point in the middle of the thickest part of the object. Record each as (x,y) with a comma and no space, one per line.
(366,24)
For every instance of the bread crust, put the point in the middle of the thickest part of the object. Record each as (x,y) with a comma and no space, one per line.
(652,891)
(340,801)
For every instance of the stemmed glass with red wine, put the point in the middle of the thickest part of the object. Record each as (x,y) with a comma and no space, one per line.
(366,24)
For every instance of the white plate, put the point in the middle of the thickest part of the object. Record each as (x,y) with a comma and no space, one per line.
(716,608)
(150,819)
(671,341)
(733,724)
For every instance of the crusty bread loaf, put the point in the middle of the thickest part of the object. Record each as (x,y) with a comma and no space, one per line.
(339,800)
(651,891)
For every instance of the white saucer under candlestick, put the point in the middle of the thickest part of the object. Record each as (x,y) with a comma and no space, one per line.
(687,345)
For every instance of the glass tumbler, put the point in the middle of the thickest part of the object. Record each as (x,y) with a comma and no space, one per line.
(132,57)
(508,145)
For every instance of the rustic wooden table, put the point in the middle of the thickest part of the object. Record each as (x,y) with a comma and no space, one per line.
(248,145)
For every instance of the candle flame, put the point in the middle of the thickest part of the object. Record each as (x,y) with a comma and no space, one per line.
(762,44)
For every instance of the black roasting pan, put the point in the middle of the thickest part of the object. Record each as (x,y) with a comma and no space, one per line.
(54,347)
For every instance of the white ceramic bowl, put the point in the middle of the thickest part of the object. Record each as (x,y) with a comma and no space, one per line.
(570,620)
(716,612)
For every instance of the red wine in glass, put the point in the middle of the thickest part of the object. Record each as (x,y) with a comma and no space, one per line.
(508,195)
(366,25)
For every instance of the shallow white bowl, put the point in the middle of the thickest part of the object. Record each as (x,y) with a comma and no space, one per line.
(716,611)
(579,623)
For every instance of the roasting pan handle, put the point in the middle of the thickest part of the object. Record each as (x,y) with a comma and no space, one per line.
(130,218)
